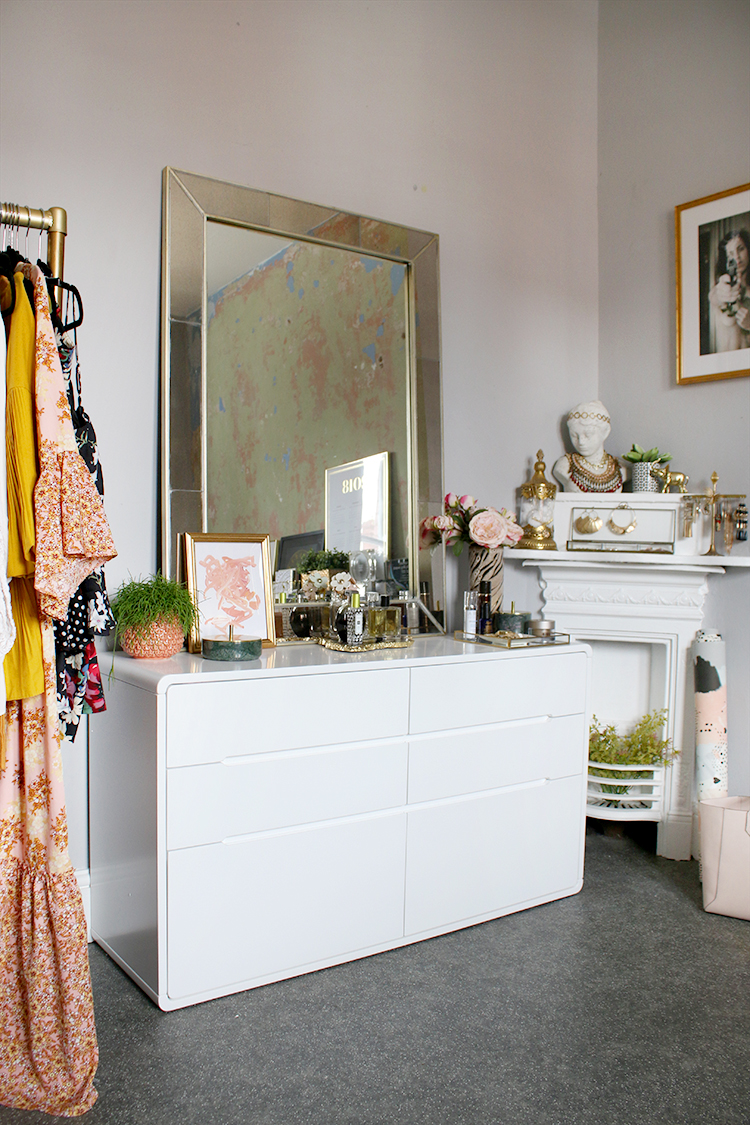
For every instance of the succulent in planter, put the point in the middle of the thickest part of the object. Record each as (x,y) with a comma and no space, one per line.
(636,455)
(152,616)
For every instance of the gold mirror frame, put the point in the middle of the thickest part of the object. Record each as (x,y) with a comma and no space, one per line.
(188,203)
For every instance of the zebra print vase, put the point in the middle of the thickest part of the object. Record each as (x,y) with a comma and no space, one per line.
(486,565)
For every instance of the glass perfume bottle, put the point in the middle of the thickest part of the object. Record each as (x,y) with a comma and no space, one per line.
(484,608)
(470,611)
(355,620)
(392,618)
(376,618)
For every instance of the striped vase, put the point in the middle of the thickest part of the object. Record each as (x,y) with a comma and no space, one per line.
(486,565)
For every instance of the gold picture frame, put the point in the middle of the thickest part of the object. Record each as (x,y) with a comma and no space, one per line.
(710,342)
(230,581)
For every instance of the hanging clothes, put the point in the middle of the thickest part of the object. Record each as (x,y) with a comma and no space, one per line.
(48,1049)
(7,624)
(79,682)
(72,532)
(24,675)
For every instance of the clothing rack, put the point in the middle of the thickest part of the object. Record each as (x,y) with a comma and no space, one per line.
(54,221)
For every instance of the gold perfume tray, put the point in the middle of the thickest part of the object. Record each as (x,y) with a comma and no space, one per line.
(511,640)
(368,646)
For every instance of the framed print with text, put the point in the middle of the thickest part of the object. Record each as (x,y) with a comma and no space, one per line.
(712,247)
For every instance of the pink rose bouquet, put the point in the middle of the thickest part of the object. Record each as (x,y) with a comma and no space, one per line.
(465,522)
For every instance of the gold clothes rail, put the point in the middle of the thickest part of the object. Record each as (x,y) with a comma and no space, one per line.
(54,221)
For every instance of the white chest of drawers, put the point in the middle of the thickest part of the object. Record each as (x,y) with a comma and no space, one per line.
(250,822)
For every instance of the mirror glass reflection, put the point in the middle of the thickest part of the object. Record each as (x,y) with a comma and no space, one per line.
(306,369)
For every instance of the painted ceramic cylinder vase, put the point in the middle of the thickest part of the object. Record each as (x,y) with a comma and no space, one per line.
(642,479)
(486,565)
(158,641)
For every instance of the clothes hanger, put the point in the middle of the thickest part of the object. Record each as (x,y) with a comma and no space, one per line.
(54,283)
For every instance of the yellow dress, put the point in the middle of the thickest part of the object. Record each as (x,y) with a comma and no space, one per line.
(24,672)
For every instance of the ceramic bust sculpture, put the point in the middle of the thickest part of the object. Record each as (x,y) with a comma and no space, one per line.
(589,468)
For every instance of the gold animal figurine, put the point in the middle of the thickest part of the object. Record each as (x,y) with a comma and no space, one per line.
(662,473)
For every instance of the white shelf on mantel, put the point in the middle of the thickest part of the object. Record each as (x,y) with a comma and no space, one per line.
(740,557)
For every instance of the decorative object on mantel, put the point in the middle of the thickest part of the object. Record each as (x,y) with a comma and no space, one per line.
(717,505)
(153,617)
(619,787)
(589,468)
(643,462)
(712,246)
(486,530)
(668,478)
(710,677)
(538,510)
(623,524)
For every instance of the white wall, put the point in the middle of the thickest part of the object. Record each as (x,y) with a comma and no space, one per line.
(674,105)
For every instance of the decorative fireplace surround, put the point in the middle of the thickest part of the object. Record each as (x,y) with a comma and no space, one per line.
(614,603)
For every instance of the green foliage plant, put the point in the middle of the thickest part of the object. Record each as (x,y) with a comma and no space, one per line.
(643,746)
(637,454)
(323,560)
(142,601)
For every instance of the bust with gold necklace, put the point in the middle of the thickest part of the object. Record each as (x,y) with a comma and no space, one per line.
(589,468)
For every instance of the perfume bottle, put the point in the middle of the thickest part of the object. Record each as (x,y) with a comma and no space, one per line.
(412,616)
(376,617)
(424,597)
(392,613)
(355,620)
(484,608)
(470,611)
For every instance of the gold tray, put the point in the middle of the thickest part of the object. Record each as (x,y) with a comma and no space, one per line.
(513,640)
(369,646)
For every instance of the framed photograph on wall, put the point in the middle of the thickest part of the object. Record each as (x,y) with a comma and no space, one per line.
(712,247)
(229,578)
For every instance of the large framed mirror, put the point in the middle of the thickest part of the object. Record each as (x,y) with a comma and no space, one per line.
(295,338)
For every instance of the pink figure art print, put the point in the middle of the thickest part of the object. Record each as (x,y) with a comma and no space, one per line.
(227,581)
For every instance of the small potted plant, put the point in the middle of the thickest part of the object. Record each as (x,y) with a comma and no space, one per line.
(641,461)
(153,616)
(317,568)
(626,771)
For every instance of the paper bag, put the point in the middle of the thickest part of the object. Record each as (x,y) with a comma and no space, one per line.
(725,855)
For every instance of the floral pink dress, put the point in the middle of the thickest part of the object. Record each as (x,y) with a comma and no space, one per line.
(48,1048)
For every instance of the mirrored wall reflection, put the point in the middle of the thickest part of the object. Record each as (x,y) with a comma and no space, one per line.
(307,368)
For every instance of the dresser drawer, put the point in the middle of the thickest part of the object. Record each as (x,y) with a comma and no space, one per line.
(470,761)
(492,853)
(493,691)
(281,904)
(207,804)
(208,722)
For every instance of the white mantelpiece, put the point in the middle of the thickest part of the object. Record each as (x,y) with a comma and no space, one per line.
(625,600)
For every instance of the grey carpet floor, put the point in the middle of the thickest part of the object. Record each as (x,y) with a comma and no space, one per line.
(624,1005)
